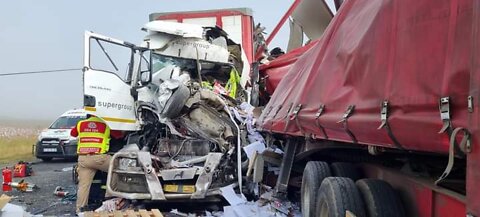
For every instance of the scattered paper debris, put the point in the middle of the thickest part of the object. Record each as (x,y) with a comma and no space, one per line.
(229,194)
(176,212)
(12,210)
(109,205)
(257,146)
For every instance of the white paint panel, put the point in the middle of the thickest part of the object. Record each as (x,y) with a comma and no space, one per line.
(189,48)
(207,21)
(233,26)
(112,98)
(180,29)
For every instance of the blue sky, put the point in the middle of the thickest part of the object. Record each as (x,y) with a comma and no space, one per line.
(44,35)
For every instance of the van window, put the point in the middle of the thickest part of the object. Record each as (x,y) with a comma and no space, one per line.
(66,122)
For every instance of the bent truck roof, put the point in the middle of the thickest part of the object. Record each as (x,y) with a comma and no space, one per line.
(198,14)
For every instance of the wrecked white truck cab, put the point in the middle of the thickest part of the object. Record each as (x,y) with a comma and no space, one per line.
(181,102)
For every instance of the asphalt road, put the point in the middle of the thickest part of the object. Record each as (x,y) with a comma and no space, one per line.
(47,175)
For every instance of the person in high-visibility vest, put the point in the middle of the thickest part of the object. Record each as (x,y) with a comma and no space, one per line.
(93,146)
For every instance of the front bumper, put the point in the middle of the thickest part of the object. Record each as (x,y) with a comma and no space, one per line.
(54,148)
(143,182)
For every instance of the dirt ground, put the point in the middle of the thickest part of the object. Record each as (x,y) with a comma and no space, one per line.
(47,175)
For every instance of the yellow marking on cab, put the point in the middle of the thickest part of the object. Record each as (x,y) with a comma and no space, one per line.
(92,109)
(120,120)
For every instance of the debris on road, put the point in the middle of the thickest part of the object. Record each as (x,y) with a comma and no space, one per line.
(60,192)
(267,205)
(113,205)
(11,210)
(176,212)
(22,186)
(22,169)
(141,212)
(229,194)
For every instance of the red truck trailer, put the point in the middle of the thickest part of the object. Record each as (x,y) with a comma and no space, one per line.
(380,116)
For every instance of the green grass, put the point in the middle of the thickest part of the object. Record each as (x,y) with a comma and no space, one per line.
(16,148)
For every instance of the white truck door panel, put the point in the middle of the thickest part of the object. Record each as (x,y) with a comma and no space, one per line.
(107,95)
(113,101)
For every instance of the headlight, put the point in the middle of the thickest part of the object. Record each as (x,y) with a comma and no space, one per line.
(127,164)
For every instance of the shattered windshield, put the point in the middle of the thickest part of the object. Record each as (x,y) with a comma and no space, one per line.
(66,122)
(165,65)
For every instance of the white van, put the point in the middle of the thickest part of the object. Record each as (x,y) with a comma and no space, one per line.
(56,142)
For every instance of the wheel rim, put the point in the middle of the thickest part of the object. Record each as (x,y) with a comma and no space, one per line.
(306,200)
(323,209)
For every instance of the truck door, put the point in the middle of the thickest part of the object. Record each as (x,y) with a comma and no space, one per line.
(107,76)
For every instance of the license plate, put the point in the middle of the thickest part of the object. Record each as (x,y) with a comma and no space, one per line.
(179,188)
(50,150)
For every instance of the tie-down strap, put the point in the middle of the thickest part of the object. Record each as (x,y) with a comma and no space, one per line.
(317,121)
(344,121)
(274,115)
(386,125)
(286,118)
(444,107)
(464,146)
(294,117)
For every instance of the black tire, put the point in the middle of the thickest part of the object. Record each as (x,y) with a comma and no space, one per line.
(337,195)
(380,198)
(313,175)
(45,159)
(174,105)
(348,170)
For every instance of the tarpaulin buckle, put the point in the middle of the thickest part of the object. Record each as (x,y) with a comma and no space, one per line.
(295,112)
(444,106)
(274,115)
(383,114)
(344,120)
(294,116)
(470,104)
(347,113)
(320,111)
(384,124)
(317,121)
(290,106)
(286,118)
